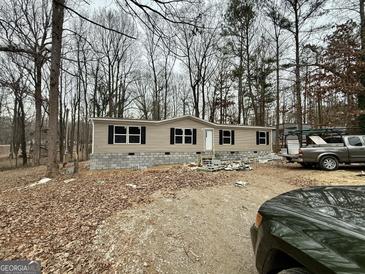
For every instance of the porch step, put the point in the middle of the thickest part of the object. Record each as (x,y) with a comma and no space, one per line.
(206,159)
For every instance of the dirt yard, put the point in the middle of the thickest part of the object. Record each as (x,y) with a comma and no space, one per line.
(160,220)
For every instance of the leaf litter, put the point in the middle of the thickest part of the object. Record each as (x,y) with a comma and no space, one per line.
(56,222)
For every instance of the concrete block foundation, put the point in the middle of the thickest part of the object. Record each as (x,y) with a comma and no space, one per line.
(148,159)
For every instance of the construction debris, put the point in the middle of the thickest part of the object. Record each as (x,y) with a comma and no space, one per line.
(240,184)
(362,173)
(40,182)
(232,165)
(268,158)
(69,168)
(216,165)
(237,166)
(69,180)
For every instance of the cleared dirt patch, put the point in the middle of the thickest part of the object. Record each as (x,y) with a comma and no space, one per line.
(346,175)
(196,231)
(163,220)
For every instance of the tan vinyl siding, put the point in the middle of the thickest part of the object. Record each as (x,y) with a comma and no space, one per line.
(158,137)
(245,140)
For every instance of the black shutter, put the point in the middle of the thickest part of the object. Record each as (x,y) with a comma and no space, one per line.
(221,137)
(257,137)
(268,138)
(194,136)
(232,137)
(143,135)
(172,136)
(110,134)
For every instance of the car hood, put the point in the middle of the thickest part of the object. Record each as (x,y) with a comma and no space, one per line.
(327,223)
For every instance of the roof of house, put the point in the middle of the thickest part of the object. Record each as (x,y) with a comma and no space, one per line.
(199,120)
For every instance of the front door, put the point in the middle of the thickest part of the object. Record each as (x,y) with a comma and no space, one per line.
(208,139)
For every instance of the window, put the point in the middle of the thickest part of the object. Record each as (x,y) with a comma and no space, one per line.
(188,136)
(127,135)
(355,141)
(262,138)
(227,137)
(183,136)
(120,135)
(134,134)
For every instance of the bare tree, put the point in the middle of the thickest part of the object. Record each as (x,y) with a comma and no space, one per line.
(276,14)
(196,46)
(25,27)
(143,98)
(113,51)
(301,12)
(57,28)
(14,78)
(153,51)
(361,96)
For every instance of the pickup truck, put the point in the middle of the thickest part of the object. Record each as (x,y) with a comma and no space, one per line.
(329,156)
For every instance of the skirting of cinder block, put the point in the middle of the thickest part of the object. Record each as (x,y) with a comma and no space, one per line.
(148,159)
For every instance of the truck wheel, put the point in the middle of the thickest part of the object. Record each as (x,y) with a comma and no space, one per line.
(297,270)
(329,163)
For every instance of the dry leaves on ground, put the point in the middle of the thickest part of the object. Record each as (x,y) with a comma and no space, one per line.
(56,222)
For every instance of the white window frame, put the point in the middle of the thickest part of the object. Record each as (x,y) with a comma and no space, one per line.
(262,138)
(127,135)
(183,136)
(226,137)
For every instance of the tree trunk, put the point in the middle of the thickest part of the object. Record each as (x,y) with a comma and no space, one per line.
(156,99)
(95,88)
(57,28)
(203,98)
(23,141)
(361,96)
(248,68)
(15,143)
(38,112)
(166,89)
(86,126)
(61,121)
(110,90)
(277,136)
(78,126)
(240,89)
(196,103)
(297,87)
(319,113)
(72,132)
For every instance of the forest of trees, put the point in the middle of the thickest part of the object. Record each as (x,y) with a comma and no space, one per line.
(249,62)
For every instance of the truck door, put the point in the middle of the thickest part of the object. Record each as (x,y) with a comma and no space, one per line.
(356,149)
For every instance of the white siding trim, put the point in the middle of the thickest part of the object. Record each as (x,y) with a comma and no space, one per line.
(116,120)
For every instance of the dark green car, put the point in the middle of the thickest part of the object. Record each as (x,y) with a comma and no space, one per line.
(315,230)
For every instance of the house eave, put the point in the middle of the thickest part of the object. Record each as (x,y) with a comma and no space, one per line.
(199,120)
